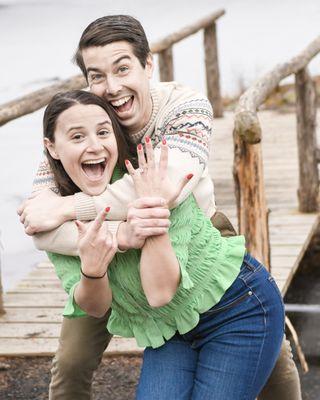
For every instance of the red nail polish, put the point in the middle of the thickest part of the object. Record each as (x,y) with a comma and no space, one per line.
(189,176)
(107,209)
(127,162)
(164,141)
(139,146)
(147,139)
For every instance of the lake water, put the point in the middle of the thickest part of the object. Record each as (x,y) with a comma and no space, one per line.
(37,41)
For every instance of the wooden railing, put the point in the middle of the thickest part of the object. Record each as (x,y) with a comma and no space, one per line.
(248,168)
(38,99)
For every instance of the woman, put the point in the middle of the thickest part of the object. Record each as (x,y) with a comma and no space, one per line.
(210,316)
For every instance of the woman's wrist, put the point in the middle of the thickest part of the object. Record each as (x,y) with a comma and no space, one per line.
(92,276)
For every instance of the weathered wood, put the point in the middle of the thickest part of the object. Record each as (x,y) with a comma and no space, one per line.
(246,120)
(308,190)
(166,65)
(183,33)
(212,70)
(38,99)
(250,196)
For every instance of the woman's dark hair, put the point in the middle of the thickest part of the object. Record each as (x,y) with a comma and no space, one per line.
(113,28)
(61,102)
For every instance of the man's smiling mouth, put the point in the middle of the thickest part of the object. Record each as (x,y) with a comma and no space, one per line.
(94,169)
(123,104)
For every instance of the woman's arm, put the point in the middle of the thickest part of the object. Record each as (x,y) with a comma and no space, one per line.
(159,267)
(97,247)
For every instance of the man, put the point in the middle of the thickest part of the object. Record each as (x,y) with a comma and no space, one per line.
(115,58)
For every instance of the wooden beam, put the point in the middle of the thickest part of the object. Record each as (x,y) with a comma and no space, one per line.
(306,106)
(212,70)
(166,65)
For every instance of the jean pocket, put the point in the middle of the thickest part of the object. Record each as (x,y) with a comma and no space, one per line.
(230,304)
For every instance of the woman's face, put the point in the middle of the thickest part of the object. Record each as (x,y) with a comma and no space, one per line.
(86,146)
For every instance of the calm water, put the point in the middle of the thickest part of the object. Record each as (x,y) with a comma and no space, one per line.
(38,38)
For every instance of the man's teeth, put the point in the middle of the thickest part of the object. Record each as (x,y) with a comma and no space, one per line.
(120,102)
(94,161)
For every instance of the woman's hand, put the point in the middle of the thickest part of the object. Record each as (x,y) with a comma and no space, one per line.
(151,178)
(97,246)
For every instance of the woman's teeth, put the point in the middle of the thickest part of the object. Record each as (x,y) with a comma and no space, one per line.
(94,169)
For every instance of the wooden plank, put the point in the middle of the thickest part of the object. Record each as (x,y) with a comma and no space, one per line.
(48,347)
(35,300)
(32,315)
(24,331)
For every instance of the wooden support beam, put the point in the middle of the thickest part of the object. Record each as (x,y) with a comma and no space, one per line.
(250,196)
(212,70)
(308,191)
(166,65)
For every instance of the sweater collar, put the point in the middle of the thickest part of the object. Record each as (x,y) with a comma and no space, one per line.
(136,137)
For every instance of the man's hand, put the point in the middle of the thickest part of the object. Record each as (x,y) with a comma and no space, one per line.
(45,210)
(146,217)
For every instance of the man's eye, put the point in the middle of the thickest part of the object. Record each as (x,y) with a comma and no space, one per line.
(96,77)
(123,69)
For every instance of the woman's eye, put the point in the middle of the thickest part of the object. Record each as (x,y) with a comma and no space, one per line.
(77,136)
(103,133)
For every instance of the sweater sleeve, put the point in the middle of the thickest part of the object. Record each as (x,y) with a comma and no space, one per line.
(68,271)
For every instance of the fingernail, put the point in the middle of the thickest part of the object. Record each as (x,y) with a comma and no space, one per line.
(164,141)
(189,176)
(139,146)
(107,209)
(147,139)
(127,162)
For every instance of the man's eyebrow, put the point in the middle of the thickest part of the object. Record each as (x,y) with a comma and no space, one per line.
(92,69)
(121,58)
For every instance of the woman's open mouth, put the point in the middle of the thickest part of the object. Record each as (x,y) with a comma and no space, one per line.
(94,169)
(122,105)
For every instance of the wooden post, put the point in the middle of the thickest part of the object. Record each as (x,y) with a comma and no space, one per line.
(250,195)
(212,70)
(308,190)
(2,310)
(166,65)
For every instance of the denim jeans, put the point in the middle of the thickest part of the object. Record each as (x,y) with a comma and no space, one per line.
(230,354)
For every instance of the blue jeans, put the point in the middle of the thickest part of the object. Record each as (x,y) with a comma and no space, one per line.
(230,354)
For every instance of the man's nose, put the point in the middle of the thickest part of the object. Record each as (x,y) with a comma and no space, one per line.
(113,86)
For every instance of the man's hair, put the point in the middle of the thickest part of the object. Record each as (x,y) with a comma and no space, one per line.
(113,28)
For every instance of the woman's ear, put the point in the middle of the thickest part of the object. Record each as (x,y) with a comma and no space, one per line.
(51,148)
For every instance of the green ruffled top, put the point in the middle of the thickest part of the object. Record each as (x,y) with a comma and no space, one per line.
(209,264)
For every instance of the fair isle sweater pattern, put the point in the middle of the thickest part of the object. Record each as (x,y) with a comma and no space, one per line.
(188,127)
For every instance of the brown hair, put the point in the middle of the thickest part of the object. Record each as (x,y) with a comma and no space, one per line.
(113,28)
(61,102)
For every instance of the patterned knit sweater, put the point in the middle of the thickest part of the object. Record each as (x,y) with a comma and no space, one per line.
(209,264)
(184,117)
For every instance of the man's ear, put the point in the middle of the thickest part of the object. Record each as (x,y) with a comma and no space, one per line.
(149,65)
(51,148)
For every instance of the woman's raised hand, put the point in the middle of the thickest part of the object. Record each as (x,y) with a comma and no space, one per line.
(97,246)
(151,178)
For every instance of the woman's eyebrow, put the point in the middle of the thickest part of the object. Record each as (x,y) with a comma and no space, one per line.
(74,127)
(104,122)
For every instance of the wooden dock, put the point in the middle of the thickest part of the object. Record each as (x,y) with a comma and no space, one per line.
(31,325)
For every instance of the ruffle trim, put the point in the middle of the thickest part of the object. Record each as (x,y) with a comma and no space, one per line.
(71,309)
(153,331)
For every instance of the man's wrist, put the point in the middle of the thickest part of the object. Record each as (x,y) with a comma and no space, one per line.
(122,237)
(68,208)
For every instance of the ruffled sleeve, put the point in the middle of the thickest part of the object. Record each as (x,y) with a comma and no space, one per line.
(68,270)
(180,236)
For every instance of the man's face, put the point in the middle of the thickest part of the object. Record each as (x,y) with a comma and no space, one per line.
(115,74)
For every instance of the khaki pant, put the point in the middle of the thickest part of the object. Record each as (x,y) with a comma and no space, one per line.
(83,341)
